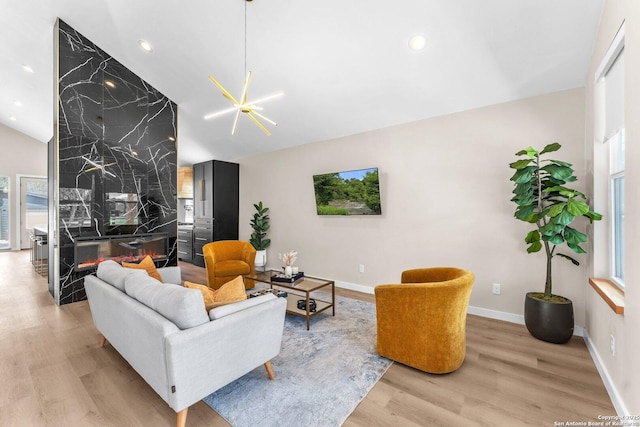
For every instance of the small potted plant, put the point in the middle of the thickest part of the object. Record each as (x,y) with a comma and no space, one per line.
(260,225)
(544,200)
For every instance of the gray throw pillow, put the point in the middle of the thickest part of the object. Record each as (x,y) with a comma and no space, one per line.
(114,274)
(182,306)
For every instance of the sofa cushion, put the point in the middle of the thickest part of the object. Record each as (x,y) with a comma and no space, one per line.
(182,306)
(232,268)
(146,264)
(207,293)
(112,273)
(232,291)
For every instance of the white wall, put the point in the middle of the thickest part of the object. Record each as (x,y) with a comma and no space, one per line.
(20,155)
(445,195)
(622,370)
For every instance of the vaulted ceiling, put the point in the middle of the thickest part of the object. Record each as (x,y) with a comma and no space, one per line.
(344,66)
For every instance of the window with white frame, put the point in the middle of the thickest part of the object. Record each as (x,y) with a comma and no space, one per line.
(610,76)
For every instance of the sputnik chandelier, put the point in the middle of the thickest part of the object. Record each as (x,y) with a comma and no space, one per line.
(250,108)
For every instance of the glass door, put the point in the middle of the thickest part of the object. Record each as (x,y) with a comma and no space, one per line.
(5,242)
(33,207)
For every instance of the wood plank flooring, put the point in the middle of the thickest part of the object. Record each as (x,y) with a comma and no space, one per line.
(54,373)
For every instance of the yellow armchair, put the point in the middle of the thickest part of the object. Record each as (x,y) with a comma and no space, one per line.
(227,259)
(422,321)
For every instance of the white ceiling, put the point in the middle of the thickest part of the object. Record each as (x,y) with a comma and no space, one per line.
(344,65)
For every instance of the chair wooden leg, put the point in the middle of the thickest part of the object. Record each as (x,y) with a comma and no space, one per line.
(103,340)
(269,369)
(182,418)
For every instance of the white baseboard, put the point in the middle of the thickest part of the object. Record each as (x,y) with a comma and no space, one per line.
(510,317)
(355,287)
(495,314)
(616,399)
(478,311)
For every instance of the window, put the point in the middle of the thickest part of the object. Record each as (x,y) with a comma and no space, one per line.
(610,130)
(616,170)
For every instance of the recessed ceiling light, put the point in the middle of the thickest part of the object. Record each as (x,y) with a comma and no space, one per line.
(172,139)
(12,118)
(417,42)
(145,45)
(17,103)
(109,83)
(27,68)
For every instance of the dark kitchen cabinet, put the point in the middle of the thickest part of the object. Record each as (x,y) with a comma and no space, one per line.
(185,243)
(215,204)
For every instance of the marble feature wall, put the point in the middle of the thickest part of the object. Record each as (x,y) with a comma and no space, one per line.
(116,153)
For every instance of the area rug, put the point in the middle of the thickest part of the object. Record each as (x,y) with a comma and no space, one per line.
(320,375)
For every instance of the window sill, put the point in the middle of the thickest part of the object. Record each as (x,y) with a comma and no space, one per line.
(610,293)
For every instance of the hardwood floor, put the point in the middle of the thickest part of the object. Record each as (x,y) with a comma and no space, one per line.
(54,373)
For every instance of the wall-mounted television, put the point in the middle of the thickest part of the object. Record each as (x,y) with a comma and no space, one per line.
(355,192)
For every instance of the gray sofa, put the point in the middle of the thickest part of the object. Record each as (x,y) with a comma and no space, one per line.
(166,335)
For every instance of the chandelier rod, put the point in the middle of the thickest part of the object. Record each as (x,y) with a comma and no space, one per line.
(245,37)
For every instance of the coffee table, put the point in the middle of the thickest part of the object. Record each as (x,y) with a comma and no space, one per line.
(301,287)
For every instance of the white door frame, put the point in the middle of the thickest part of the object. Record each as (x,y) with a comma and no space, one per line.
(17,196)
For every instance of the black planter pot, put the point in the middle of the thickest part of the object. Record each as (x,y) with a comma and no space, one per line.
(549,320)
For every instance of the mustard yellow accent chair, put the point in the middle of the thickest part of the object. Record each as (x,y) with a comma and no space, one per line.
(422,321)
(227,259)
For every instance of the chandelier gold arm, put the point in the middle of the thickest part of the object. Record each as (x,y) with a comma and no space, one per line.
(225,92)
(263,117)
(246,88)
(235,122)
(252,117)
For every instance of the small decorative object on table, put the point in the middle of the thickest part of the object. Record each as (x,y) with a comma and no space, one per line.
(276,292)
(287,278)
(288,258)
(302,305)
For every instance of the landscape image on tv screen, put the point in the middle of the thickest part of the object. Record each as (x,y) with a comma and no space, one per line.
(355,192)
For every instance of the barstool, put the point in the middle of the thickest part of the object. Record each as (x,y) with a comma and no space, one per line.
(32,247)
(42,255)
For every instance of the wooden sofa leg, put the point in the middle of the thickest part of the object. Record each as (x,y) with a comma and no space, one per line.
(103,340)
(182,418)
(269,369)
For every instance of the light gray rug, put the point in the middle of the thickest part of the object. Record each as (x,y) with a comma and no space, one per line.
(320,375)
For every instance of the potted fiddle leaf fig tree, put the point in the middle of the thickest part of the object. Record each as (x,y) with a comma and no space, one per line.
(260,226)
(544,200)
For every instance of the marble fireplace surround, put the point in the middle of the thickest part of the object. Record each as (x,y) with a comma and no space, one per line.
(113,161)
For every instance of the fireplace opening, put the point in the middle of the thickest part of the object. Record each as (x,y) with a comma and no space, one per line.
(91,251)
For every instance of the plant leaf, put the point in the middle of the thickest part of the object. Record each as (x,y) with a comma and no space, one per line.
(593,216)
(556,209)
(520,163)
(564,218)
(558,172)
(534,247)
(523,175)
(556,239)
(576,248)
(551,148)
(577,208)
(573,236)
(524,213)
(532,236)
(573,260)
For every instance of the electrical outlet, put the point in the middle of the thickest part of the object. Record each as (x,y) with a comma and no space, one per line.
(496,289)
(361,268)
(612,345)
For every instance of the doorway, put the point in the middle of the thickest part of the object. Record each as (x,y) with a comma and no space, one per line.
(5,242)
(33,207)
